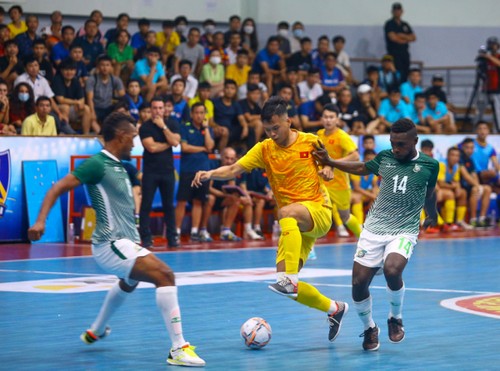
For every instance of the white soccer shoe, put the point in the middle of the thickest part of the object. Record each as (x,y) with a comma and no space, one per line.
(185,356)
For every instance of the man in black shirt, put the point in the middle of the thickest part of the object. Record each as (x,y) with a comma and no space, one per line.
(158,136)
(398,34)
(251,111)
(302,59)
(39,52)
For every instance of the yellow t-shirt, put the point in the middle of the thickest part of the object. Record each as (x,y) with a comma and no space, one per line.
(14,31)
(233,72)
(447,175)
(33,126)
(338,144)
(172,44)
(292,171)
(209,106)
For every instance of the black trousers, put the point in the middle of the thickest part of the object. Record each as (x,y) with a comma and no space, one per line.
(402,64)
(150,183)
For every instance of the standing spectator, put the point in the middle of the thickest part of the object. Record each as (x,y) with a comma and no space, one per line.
(492,85)
(40,123)
(301,60)
(269,63)
(251,111)
(149,72)
(181,25)
(185,74)
(332,78)
(121,24)
(167,40)
(76,55)
(139,38)
(412,86)
(249,39)
(398,35)
(26,39)
(60,51)
(203,97)
(297,35)
(234,26)
(310,90)
(389,77)
(282,35)
(436,115)
(343,60)
(158,136)
(22,104)
(206,39)
(10,65)
(391,110)
(239,70)
(196,143)
(91,44)
(192,51)
(213,73)
(17,26)
(122,55)
(233,48)
(39,52)
(318,55)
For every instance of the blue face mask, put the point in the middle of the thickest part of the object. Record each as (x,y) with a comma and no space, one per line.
(298,33)
(23,97)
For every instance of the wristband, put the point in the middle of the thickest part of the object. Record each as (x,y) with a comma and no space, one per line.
(164,128)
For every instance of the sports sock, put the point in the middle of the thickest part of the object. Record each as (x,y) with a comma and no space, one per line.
(194,230)
(114,299)
(396,301)
(440,220)
(166,300)
(248,227)
(357,211)
(336,217)
(461,211)
(309,295)
(449,211)
(257,228)
(291,241)
(353,225)
(364,309)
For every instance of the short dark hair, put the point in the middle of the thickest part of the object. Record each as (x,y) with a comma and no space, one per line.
(167,23)
(323,37)
(338,38)
(331,54)
(88,21)
(242,52)
(234,17)
(367,137)
(483,123)
(331,108)
(230,82)
(113,123)
(467,141)
(42,98)
(104,58)
(157,98)
(122,15)
(371,68)
(196,105)
(305,40)
(179,19)
(426,143)
(10,42)
(403,126)
(393,89)
(179,80)
(419,95)
(67,64)
(194,29)
(283,24)
(133,80)
(153,49)
(204,85)
(208,21)
(284,86)
(74,46)
(275,106)
(252,87)
(39,42)
(122,103)
(369,152)
(143,22)
(251,72)
(144,106)
(272,39)
(30,59)
(452,148)
(415,69)
(313,71)
(67,27)
(18,7)
(168,99)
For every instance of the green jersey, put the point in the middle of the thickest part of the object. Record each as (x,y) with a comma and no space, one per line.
(110,192)
(403,189)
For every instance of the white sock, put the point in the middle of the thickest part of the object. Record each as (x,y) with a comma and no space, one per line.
(256,227)
(364,309)
(194,230)
(114,299)
(248,227)
(333,307)
(396,301)
(166,299)
(178,230)
(293,277)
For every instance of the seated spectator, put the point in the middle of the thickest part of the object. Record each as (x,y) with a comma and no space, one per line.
(233,48)
(234,26)
(203,96)
(412,86)
(343,60)
(71,98)
(60,51)
(318,54)
(282,35)
(367,143)
(417,111)
(269,63)
(40,123)
(471,184)
(391,109)
(167,40)
(133,98)
(96,17)
(484,156)
(102,89)
(367,111)
(17,26)
(389,77)
(239,70)
(253,78)
(310,90)
(213,73)
(192,51)
(436,115)
(449,181)
(4,37)
(292,78)
(251,111)
(249,39)
(372,80)
(364,189)
(5,127)
(181,25)
(209,26)
(25,40)
(91,44)
(122,55)
(144,114)
(285,92)
(149,71)
(180,106)
(437,84)
(111,35)
(22,104)
(76,55)
(331,76)
(10,65)
(301,60)
(185,74)
(139,38)
(39,52)
(150,41)
(298,33)
(349,118)
(228,114)
(218,44)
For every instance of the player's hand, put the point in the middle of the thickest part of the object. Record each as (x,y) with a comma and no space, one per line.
(320,153)
(326,173)
(199,178)
(36,231)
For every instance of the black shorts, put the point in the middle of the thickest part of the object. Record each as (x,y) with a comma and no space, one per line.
(187,193)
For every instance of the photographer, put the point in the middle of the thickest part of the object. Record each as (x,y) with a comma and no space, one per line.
(489,64)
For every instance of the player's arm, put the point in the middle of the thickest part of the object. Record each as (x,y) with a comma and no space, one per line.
(352,167)
(221,173)
(352,156)
(468,177)
(64,185)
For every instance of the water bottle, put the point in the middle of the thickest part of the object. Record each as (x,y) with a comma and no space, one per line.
(71,233)
(276,231)
(493,216)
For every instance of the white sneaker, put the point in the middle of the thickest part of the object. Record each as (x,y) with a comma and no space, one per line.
(205,236)
(342,231)
(466,227)
(252,235)
(185,356)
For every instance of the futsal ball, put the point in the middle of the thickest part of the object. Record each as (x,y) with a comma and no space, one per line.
(256,332)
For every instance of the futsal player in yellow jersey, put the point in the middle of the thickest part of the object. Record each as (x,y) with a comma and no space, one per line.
(340,146)
(304,207)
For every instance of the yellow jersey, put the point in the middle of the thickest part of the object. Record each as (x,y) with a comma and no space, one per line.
(292,171)
(233,72)
(209,106)
(173,42)
(447,175)
(338,144)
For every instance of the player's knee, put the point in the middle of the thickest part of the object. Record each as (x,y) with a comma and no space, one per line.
(392,271)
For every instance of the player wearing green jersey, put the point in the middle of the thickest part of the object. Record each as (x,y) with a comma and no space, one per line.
(392,225)
(115,239)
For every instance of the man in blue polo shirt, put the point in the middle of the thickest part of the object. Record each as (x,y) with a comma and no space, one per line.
(332,78)
(149,71)
(196,143)
(412,86)
(437,116)
(391,110)
(484,156)
(60,51)
(269,62)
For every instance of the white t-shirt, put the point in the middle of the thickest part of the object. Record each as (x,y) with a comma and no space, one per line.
(309,93)
(191,85)
(40,86)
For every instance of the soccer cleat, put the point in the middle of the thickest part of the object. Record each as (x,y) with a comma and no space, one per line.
(89,337)
(285,287)
(370,341)
(466,227)
(450,228)
(432,230)
(396,330)
(252,235)
(312,255)
(335,320)
(229,236)
(185,356)
(205,236)
(342,231)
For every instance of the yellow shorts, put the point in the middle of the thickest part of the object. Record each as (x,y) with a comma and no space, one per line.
(322,219)
(341,199)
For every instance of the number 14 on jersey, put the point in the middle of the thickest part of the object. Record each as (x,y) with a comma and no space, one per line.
(399,185)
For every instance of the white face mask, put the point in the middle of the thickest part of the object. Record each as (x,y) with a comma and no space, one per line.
(210,29)
(215,60)
(248,29)
(181,28)
(334,100)
(283,32)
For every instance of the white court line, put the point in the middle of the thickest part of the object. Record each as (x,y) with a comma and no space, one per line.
(45,272)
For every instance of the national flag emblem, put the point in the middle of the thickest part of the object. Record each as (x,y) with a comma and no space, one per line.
(304,154)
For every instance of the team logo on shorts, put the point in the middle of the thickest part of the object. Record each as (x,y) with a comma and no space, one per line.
(487,305)
(360,253)
(417,168)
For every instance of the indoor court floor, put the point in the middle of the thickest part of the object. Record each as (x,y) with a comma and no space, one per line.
(451,311)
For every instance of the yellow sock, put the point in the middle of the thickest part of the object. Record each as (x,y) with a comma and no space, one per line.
(353,225)
(449,211)
(440,220)
(357,211)
(291,241)
(422,216)
(310,296)
(336,216)
(461,211)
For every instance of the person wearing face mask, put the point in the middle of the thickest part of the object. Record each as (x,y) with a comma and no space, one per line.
(297,35)
(249,39)
(206,39)
(181,25)
(283,28)
(213,73)
(22,104)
